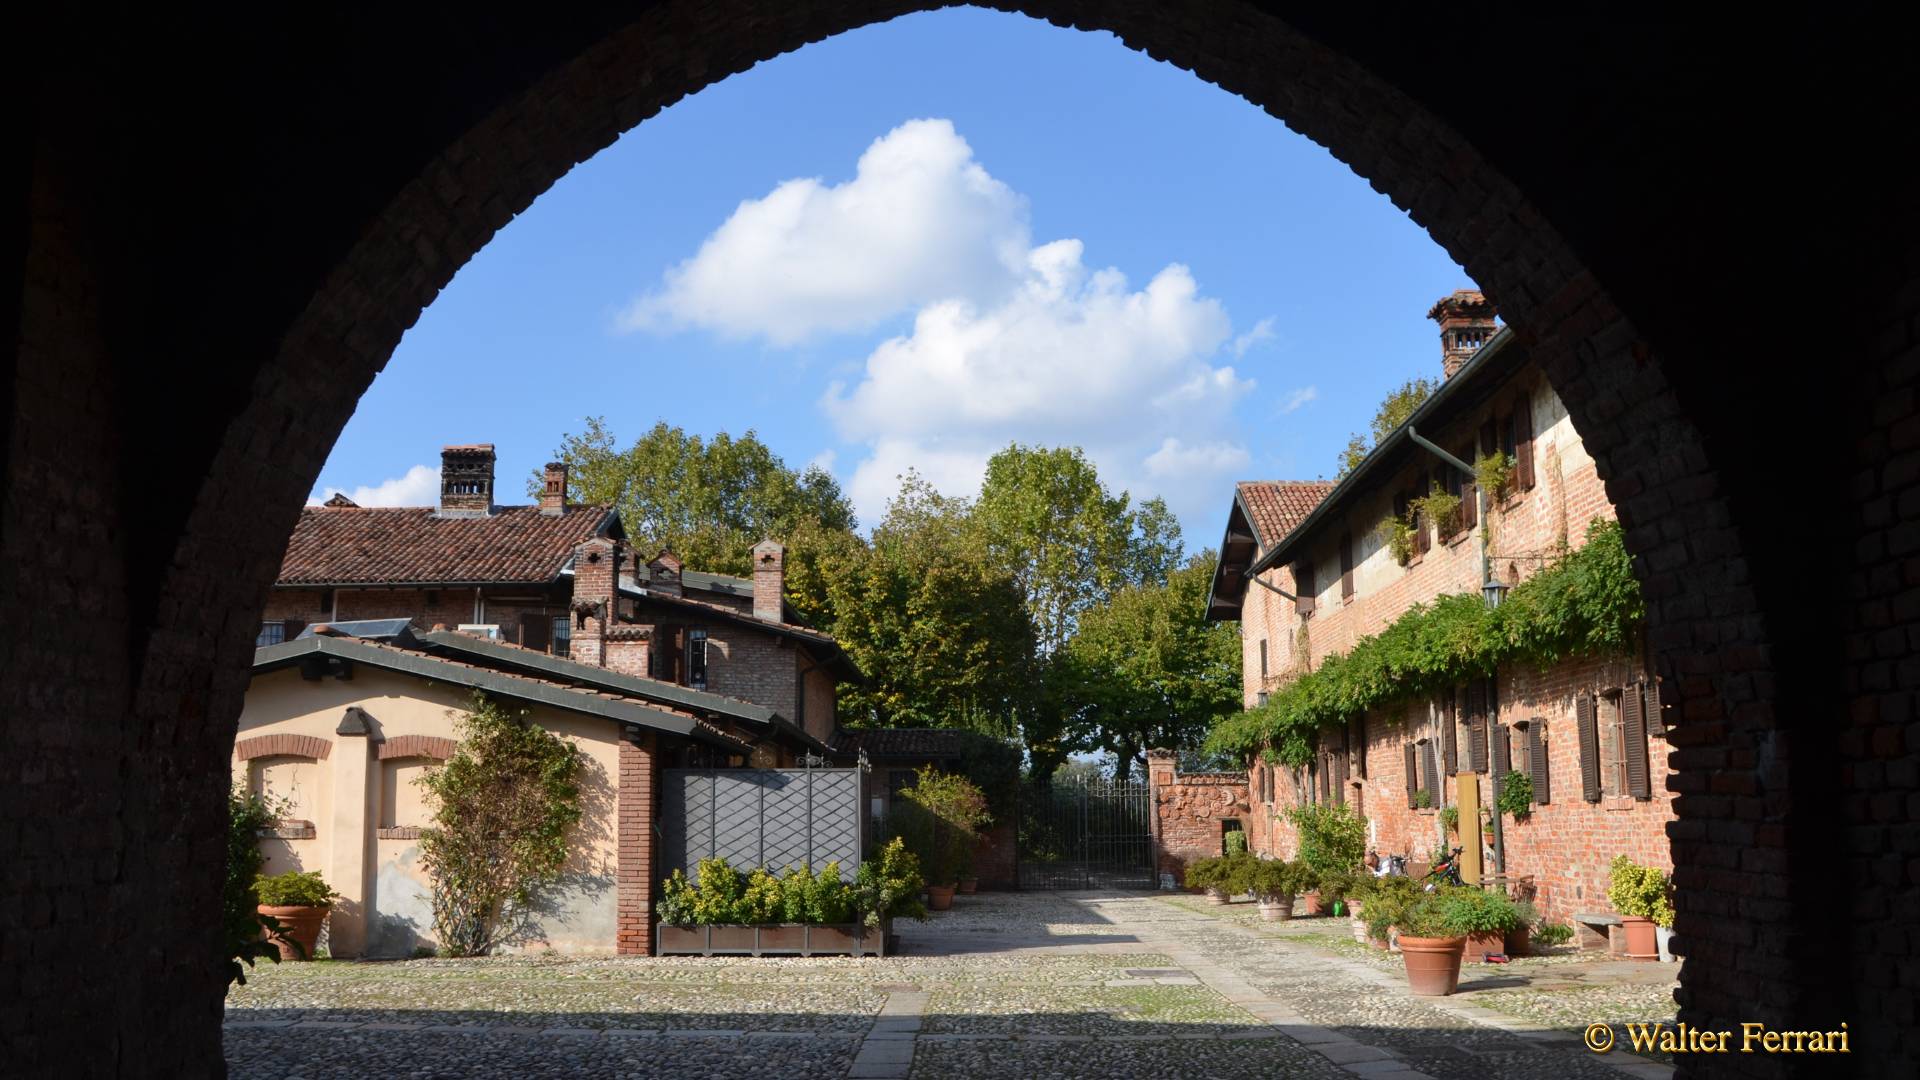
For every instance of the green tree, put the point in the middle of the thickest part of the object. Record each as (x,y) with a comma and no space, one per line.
(503,807)
(940,630)
(708,500)
(1393,411)
(1145,669)
(1070,544)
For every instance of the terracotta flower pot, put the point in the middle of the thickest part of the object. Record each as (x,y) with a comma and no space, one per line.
(1642,941)
(1276,908)
(1479,945)
(967,886)
(939,897)
(298,923)
(1520,942)
(1216,896)
(1378,942)
(1360,931)
(1313,902)
(1433,964)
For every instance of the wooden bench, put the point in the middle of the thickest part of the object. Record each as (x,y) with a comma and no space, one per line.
(1596,930)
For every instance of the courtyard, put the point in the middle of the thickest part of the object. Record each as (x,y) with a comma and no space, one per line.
(1013,985)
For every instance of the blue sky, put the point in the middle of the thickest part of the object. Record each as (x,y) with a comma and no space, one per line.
(913,243)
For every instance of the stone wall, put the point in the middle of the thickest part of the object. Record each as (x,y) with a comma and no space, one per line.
(1191,812)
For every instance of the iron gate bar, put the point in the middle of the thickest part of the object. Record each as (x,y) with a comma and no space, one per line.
(1086,834)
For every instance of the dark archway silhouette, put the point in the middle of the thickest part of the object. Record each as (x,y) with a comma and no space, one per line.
(1700,228)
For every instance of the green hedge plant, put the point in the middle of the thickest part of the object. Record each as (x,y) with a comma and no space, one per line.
(1333,838)
(884,887)
(1480,911)
(294,889)
(1640,891)
(1277,880)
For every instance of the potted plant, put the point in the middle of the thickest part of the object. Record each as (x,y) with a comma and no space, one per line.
(957,811)
(1486,827)
(1520,938)
(1333,839)
(1432,935)
(1639,894)
(1274,883)
(1358,888)
(1207,875)
(1485,916)
(298,904)
(1386,901)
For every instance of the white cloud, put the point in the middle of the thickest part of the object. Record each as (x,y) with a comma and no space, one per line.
(420,486)
(824,460)
(1073,357)
(1262,331)
(1177,459)
(920,221)
(1293,399)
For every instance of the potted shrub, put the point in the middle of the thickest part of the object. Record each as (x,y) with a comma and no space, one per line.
(1520,938)
(1432,936)
(1357,888)
(1386,901)
(957,811)
(1486,917)
(1639,894)
(1274,883)
(1333,840)
(1208,876)
(298,904)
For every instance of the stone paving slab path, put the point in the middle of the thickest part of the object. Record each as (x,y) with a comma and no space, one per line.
(1004,987)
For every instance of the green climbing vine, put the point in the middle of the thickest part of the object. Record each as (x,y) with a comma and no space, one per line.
(1585,603)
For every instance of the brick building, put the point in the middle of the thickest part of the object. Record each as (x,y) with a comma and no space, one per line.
(1307,571)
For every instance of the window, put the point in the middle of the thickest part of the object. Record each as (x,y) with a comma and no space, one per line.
(1346,566)
(1303,585)
(1260,698)
(1613,746)
(562,636)
(1534,759)
(697,659)
(1263,658)
(271,633)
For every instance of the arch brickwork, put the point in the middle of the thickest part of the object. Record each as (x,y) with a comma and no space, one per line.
(208,297)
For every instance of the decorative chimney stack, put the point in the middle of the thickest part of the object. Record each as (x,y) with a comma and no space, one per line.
(1466,322)
(663,574)
(596,578)
(769,580)
(466,480)
(553,494)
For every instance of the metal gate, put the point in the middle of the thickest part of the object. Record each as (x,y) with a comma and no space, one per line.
(1086,835)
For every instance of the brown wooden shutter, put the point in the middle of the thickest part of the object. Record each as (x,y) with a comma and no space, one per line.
(1412,774)
(1346,566)
(1303,587)
(1357,745)
(1449,737)
(1537,761)
(1469,512)
(1477,725)
(1433,773)
(1635,727)
(1656,720)
(1523,444)
(1498,766)
(535,631)
(1589,748)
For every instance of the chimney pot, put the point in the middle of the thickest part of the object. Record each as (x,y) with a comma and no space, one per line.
(466,480)
(769,580)
(1466,322)
(553,494)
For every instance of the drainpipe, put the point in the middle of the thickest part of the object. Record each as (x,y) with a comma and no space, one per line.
(1486,575)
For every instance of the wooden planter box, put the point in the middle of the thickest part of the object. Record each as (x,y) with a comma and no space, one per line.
(783,939)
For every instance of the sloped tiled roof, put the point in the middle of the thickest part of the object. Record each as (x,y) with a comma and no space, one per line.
(1276,506)
(353,545)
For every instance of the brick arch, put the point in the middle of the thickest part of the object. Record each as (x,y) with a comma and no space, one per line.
(1626,273)
(427,746)
(306,746)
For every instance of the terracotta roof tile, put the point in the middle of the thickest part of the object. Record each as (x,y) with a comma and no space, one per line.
(353,545)
(1276,506)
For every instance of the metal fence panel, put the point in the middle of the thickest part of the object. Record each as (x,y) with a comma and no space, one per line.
(761,817)
(1091,835)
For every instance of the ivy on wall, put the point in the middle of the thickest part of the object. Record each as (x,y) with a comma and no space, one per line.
(1586,603)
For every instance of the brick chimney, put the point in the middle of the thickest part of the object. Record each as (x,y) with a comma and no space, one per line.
(553,494)
(769,580)
(596,575)
(663,574)
(1466,322)
(466,480)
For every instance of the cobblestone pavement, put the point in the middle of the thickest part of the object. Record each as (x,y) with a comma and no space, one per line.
(1013,986)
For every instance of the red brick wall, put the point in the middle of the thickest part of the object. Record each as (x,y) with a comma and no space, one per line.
(426,607)
(752,666)
(639,771)
(1188,812)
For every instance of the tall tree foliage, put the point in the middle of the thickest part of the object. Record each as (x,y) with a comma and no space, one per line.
(1145,669)
(708,500)
(1070,544)
(503,806)
(1393,411)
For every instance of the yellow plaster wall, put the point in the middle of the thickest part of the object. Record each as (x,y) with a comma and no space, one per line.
(388,911)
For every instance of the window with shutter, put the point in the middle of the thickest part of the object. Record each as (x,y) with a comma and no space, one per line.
(1523,444)
(1346,566)
(1303,587)
(1477,725)
(1656,720)
(1497,732)
(1422,540)
(1412,775)
(1634,729)
(1469,509)
(1449,740)
(1357,745)
(1613,744)
(1589,748)
(1263,658)
(1537,761)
